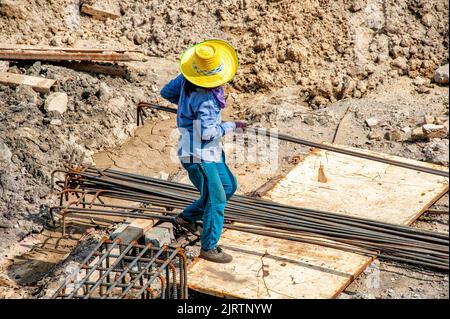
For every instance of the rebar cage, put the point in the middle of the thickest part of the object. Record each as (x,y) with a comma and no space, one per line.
(114,270)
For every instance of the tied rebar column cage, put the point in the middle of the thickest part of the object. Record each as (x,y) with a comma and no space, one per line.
(114,270)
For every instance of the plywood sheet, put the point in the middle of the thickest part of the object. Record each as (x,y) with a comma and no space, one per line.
(292,269)
(359,187)
(354,187)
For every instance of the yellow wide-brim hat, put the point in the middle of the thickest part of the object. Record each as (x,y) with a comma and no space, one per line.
(210,63)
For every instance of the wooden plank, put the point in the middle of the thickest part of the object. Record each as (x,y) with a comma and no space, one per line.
(101,11)
(66,56)
(64,49)
(37,83)
(355,187)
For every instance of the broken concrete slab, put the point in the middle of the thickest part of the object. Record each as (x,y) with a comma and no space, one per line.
(56,102)
(131,233)
(160,235)
(133,230)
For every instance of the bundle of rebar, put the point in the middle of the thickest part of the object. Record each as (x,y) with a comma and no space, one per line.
(254,215)
(115,270)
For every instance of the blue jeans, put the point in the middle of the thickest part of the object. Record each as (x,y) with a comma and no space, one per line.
(216,185)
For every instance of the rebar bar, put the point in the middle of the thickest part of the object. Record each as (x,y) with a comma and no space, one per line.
(283,137)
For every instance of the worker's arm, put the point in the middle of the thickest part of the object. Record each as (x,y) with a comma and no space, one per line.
(171,91)
(209,123)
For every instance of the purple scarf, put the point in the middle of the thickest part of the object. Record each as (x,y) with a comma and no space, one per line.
(219,95)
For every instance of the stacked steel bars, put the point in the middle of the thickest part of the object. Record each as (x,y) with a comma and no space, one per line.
(114,270)
(367,237)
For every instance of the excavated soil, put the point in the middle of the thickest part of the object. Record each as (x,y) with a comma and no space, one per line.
(313,69)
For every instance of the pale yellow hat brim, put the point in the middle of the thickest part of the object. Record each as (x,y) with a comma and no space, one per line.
(227,56)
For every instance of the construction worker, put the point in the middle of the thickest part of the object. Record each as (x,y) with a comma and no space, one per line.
(198,91)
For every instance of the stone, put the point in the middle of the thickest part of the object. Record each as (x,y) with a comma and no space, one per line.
(371,122)
(437,151)
(27,94)
(377,136)
(401,63)
(357,5)
(427,19)
(309,120)
(261,44)
(394,135)
(4,65)
(441,74)
(5,224)
(56,122)
(264,80)
(105,91)
(435,131)
(5,153)
(56,102)
(139,38)
(428,119)
(422,89)
(418,134)
(406,129)
(319,101)
(13,9)
(295,53)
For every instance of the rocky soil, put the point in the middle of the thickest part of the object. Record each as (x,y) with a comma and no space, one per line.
(356,72)
(334,49)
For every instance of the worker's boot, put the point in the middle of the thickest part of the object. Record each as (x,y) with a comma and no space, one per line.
(216,255)
(189,226)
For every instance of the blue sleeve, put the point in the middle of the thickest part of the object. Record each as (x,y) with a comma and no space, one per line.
(171,91)
(211,127)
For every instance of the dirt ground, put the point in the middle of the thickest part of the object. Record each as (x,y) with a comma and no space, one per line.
(318,70)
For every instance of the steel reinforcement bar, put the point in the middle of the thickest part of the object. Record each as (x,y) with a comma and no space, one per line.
(283,137)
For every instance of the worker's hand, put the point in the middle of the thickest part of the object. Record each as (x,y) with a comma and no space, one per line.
(240,125)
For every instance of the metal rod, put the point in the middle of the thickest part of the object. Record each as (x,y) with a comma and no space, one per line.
(331,148)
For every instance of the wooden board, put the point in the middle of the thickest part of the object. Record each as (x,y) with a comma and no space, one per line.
(66,55)
(354,187)
(359,187)
(102,10)
(294,270)
(37,83)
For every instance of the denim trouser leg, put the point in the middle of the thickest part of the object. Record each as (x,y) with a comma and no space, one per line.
(216,184)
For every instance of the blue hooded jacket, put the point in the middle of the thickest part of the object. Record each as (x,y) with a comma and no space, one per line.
(198,120)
